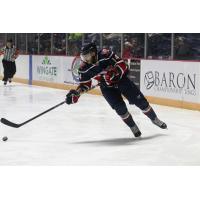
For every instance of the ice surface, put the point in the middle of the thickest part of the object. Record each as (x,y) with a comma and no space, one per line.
(90,132)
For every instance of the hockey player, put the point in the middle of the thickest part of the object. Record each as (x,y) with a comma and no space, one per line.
(10,53)
(111,72)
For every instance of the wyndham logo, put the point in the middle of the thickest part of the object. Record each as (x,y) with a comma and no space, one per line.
(46,69)
(46,61)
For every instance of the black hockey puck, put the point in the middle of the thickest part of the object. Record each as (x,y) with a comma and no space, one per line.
(5,138)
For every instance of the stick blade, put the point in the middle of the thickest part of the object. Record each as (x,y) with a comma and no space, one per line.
(9,123)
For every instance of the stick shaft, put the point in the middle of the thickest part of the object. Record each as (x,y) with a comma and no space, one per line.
(14,125)
(46,111)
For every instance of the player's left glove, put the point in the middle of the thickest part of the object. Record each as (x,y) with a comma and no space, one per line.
(72,97)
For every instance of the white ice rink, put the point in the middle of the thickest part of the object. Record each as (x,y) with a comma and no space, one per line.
(90,133)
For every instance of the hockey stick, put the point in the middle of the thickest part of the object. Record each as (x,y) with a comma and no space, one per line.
(9,123)
(14,125)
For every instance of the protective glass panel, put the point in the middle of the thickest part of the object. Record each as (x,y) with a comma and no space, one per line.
(159,46)
(74,43)
(21,42)
(2,39)
(32,43)
(45,43)
(113,42)
(133,46)
(187,46)
(59,43)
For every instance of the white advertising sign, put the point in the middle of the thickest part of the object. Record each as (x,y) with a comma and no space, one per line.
(68,67)
(177,80)
(46,68)
(55,69)
(22,65)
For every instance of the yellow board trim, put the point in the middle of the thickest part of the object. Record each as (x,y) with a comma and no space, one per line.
(174,103)
(20,80)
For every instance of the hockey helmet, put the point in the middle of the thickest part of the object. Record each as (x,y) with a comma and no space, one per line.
(87,48)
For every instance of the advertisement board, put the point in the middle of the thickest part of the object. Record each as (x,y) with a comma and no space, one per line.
(54,69)
(134,71)
(47,68)
(22,65)
(70,65)
(175,80)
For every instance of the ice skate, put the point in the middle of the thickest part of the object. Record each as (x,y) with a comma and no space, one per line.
(159,123)
(136,132)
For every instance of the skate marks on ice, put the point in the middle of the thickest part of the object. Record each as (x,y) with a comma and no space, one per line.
(120,141)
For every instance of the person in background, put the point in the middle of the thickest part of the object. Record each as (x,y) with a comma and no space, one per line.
(182,49)
(10,53)
(127,53)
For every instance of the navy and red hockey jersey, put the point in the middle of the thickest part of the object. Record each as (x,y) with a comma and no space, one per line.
(107,61)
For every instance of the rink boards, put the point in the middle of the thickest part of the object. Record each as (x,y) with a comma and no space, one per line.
(48,71)
(172,83)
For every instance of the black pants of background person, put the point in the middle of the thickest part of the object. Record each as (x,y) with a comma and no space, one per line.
(9,70)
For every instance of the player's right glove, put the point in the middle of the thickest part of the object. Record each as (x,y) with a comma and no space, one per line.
(72,97)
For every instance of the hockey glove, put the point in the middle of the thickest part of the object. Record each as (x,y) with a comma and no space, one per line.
(112,76)
(72,97)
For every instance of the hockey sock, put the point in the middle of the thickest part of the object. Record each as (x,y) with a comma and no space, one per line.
(149,112)
(127,118)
